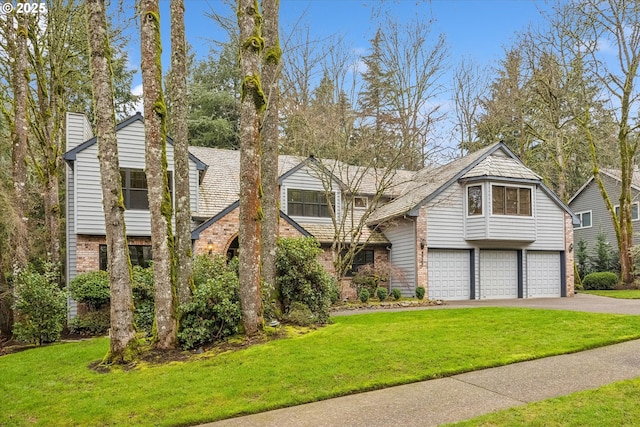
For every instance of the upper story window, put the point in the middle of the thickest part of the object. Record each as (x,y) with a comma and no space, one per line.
(510,200)
(635,211)
(474,200)
(360,202)
(307,203)
(135,190)
(585,219)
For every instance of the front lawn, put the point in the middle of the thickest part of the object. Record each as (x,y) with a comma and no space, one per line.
(611,405)
(624,294)
(53,386)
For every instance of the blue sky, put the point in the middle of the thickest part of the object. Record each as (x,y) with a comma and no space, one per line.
(478,29)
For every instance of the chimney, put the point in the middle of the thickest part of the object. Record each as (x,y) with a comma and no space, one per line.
(78,130)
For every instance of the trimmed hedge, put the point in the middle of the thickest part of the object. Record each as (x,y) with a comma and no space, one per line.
(600,281)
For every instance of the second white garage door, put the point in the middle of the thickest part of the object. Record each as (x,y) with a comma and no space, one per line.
(448,272)
(498,274)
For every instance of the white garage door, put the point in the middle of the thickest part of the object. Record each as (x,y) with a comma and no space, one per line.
(448,272)
(498,274)
(543,274)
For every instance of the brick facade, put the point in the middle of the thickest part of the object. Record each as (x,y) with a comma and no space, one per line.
(569,247)
(422,277)
(88,253)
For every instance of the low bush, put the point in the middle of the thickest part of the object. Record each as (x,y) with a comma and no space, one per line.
(40,306)
(301,278)
(370,277)
(300,314)
(420,292)
(382,293)
(91,288)
(213,312)
(91,323)
(600,281)
(396,294)
(363,295)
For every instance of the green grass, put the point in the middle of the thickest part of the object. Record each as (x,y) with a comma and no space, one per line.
(612,405)
(52,386)
(623,294)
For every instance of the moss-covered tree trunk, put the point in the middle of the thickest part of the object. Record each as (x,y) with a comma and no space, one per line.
(122,332)
(270,131)
(184,277)
(20,132)
(252,105)
(160,208)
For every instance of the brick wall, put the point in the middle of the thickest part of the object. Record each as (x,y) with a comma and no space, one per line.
(421,254)
(87,250)
(569,249)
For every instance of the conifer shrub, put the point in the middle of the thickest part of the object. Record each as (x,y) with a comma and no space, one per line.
(382,293)
(420,292)
(396,294)
(364,295)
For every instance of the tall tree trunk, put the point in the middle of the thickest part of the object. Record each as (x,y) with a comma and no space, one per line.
(122,333)
(252,105)
(270,131)
(20,144)
(160,209)
(184,276)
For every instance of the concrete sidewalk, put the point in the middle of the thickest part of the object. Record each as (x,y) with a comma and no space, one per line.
(464,396)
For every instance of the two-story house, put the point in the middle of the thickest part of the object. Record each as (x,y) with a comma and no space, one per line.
(593,215)
(483,226)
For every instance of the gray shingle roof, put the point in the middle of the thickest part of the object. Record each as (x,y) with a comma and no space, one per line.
(427,183)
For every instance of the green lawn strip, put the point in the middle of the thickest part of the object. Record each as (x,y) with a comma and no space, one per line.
(623,294)
(611,405)
(52,386)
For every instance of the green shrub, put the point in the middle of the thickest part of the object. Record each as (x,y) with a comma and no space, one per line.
(143,292)
(301,278)
(382,293)
(300,314)
(371,276)
(420,292)
(363,295)
(91,288)
(396,294)
(213,312)
(40,306)
(600,281)
(91,323)
(207,266)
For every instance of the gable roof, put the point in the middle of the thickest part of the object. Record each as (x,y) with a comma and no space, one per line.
(613,174)
(71,155)
(495,162)
(195,234)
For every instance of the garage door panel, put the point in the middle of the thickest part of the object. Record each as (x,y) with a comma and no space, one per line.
(498,274)
(448,273)
(543,274)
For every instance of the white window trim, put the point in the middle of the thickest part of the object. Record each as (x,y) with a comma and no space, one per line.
(500,184)
(637,204)
(579,215)
(482,201)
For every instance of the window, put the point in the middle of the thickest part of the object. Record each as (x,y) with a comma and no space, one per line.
(360,202)
(511,200)
(307,203)
(635,211)
(585,219)
(135,190)
(362,258)
(139,254)
(474,200)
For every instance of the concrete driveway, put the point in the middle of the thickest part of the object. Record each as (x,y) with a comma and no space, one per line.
(579,302)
